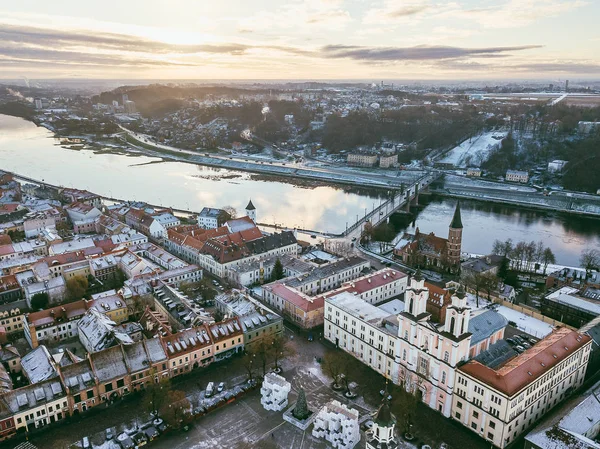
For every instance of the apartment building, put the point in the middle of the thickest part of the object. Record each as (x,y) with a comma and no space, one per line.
(517,176)
(296,298)
(362,160)
(55,324)
(500,403)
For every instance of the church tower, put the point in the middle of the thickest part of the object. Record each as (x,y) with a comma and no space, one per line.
(455,238)
(383,427)
(416,296)
(251,211)
(458,314)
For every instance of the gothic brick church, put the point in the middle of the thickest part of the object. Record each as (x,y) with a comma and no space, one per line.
(431,251)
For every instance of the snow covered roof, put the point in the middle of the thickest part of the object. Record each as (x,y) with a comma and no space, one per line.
(96,331)
(38,365)
(485,324)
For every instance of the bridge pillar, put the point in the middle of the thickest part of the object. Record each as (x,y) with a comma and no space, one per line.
(408,204)
(417,194)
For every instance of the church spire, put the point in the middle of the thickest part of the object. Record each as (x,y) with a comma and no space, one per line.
(456,220)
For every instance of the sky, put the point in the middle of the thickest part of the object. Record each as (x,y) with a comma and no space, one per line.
(300,39)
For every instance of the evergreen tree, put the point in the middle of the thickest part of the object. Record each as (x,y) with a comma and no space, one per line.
(277,272)
(301,409)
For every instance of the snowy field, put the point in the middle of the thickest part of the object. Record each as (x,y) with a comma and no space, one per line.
(526,323)
(473,152)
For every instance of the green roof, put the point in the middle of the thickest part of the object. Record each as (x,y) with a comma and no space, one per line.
(456,221)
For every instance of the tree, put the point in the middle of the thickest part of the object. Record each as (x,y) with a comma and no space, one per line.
(156,395)
(277,272)
(475,281)
(547,258)
(229,212)
(490,283)
(590,260)
(40,300)
(223,217)
(174,408)
(367,233)
(249,363)
(280,349)
(301,411)
(262,350)
(76,288)
(333,366)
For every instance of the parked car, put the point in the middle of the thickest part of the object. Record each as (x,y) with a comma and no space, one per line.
(108,433)
(518,339)
(221,387)
(210,389)
(140,439)
(85,443)
(511,341)
(124,441)
(533,341)
(526,345)
(519,349)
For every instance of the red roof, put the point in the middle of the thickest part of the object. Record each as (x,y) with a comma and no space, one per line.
(62,259)
(8,283)
(530,365)
(6,249)
(299,299)
(5,239)
(66,311)
(374,280)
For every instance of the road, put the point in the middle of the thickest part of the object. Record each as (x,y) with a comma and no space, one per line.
(330,174)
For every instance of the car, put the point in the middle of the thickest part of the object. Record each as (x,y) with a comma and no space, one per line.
(210,389)
(354,239)
(85,443)
(313,236)
(526,345)
(518,339)
(519,349)
(533,341)
(511,341)
(221,387)
(108,433)
(140,439)
(310,337)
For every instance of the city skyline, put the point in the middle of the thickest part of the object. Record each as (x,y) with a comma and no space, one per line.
(304,39)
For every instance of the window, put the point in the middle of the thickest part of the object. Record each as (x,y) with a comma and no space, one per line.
(492,425)
(459,404)
(490,436)
(457,415)
(444,377)
(474,425)
(446,356)
(475,414)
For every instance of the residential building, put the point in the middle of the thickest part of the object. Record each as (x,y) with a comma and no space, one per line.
(489,264)
(501,403)
(111,304)
(208,218)
(390,161)
(37,405)
(35,223)
(227,337)
(55,324)
(258,321)
(474,172)
(556,166)
(362,159)
(10,290)
(569,305)
(188,349)
(305,308)
(82,196)
(97,332)
(575,425)
(517,176)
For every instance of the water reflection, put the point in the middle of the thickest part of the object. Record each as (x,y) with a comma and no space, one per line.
(567,235)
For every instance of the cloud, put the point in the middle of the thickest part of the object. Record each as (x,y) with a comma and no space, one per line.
(397,12)
(27,35)
(418,53)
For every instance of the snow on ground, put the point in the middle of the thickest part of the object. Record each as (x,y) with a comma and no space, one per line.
(526,323)
(474,151)
(472,301)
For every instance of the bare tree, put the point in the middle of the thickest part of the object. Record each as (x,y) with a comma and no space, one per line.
(334,366)
(590,260)
(547,258)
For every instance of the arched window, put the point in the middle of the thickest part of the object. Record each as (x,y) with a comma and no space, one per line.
(410,306)
(462,327)
(452,322)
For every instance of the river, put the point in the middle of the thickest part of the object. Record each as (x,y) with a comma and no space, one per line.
(33,152)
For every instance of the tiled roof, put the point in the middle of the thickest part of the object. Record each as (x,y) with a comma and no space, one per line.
(530,365)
